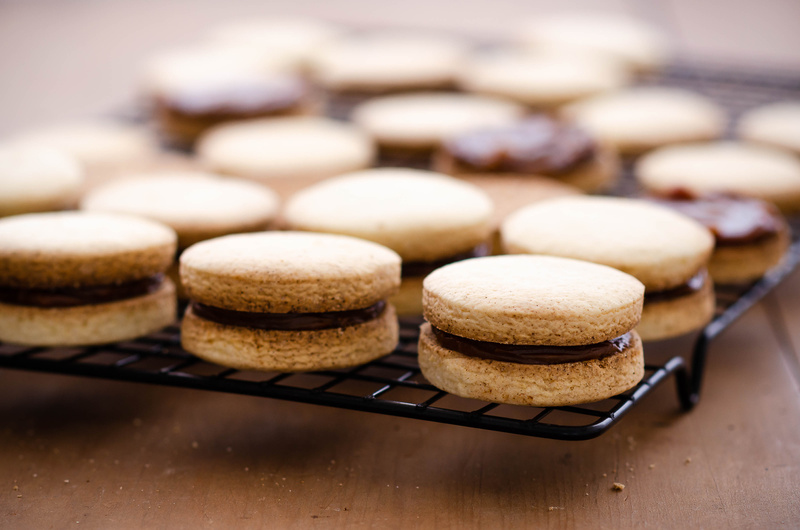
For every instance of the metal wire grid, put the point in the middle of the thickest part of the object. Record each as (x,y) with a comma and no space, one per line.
(393,385)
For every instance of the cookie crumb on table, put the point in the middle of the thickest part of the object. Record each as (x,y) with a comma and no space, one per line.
(618,486)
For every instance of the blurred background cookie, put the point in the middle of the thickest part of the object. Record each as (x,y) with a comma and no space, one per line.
(777,125)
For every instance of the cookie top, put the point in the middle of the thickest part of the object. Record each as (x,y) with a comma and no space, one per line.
(642,118)
(639,45)
(99,146)
(541,79)
(421,215)
(196,205)
(285,148)
(389,60)
(289,272)
(777,124)
(37,179)
(532,300)
(294,39)
(426,119)
(79,249)
(660,247)
(755,171)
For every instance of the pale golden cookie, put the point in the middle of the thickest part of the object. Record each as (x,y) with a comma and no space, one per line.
(660,247)
(532,300)
(777,124)
(754,171)
(196,205)
(37,179)
(541,80)
(643,118)
(639,45)
(289,272)
(423,120)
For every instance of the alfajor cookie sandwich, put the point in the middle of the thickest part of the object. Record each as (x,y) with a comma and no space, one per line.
(531,330)
(37,179)
(776,124)
(750,236)
(428,218)
(537,145)
(74,278)
(665,250)
(758,171)
(289,301)
(198,206)
(194,89)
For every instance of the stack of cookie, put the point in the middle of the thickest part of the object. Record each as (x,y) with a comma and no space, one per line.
(438,156)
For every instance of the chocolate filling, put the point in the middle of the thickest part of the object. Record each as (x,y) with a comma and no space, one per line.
(77,296)
(733,220)
(530,354)
(693,285)
(537,145)
(423,268)
(289,321)
(253,98)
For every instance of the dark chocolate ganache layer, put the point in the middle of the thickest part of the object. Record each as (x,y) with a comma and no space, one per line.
(732,219)
(77,296)
(239,99)
(423,268)
(539,144)
(289,321)
(693,285)
(529,354)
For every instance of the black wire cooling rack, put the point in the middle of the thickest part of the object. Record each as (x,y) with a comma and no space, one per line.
(393,385)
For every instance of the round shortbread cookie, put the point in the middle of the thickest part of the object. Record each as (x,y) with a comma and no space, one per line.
(37,179)
(89,324)
(532,300)
(777,125)
(637,119)
(754,171)
(289,272)
(290,351)
(541,80)
(660,247)
(286,148)
(538,385)
(196,205)
(421,215)
(389,61)
(639,45)
(674,317)
(294,39)
(102,147)
(424,120)
(79,249)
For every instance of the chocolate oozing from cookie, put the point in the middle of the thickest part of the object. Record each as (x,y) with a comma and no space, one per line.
(536,145)
(531,354)
(734,220)
(78,296)
(423,268)
(289,321)
(693,285)
(236,100)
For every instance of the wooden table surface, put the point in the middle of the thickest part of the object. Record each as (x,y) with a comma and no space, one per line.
(99,454)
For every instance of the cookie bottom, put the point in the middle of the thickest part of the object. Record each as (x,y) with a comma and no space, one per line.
(537,385)
(289,351)
(745,263)
(87,325)
(672,318)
